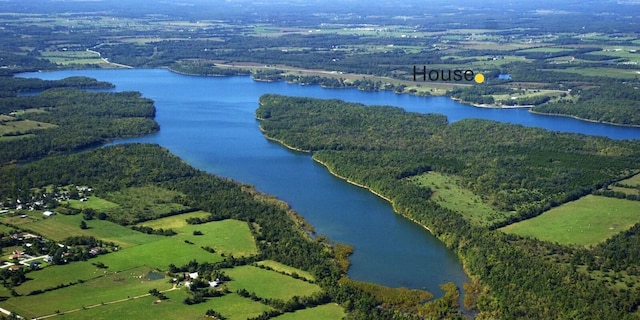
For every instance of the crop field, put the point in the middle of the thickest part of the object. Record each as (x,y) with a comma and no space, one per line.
(173,222)
(268,284)
(96,291)
(449,194)
(329,311)
(277,266)
(59,227)
(586,221)
(226,236)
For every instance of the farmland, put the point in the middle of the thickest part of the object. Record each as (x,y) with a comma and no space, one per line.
(587,221)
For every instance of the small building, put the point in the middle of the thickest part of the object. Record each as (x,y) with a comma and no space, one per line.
(48,213)
(48,258)
(193,275)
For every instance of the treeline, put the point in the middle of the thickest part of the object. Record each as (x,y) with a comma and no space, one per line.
(278,238)
(82,119)
(511,166)
(609,102)
(10,86)
(205,68)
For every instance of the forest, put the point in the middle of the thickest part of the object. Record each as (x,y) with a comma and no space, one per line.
(512,167)
(76,119)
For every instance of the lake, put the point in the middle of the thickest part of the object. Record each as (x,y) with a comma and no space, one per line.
(209,122)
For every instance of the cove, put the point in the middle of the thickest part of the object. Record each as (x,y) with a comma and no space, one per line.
(209,122)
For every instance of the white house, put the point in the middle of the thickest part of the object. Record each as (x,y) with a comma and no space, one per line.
(48,213)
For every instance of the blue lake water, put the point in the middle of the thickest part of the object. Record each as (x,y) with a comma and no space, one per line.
(209,122)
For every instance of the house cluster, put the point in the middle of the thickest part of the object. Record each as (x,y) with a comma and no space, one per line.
(194,275)
(40,201)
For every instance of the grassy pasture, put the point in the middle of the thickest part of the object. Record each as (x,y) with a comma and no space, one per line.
(158,254)
(624,190)
(95,203)
(59,227)
(226,236)
(103,289)
(329,311)
(174,222)
(545,49)
(633,181)
(22,126)
(268,284)
(232,306)
(449,194)
(146,202)
(586,221)
(277,266)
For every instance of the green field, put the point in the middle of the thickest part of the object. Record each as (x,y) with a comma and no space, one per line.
(173,222)
(602,72)
(231,306)
(277,266)
(20,127)
(624,190)
(633,181)
(144,203)
(96,291)
(586,221)
(158,254)
(268,284)
(449,194)
(59,227)
(95,203)
(73,57)
(329,311)
(226,236)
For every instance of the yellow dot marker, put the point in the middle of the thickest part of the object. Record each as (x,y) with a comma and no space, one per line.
(479,78)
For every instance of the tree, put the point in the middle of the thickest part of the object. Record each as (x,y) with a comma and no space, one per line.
(83,225)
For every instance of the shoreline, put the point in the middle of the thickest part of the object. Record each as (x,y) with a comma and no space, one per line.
(333,173)
(393,207)
(583,119)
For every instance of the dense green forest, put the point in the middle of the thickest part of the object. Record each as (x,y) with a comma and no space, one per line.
(68,119)
(611,102)
(512,167)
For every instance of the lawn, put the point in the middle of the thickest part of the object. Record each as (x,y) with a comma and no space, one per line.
(96,291)
(59,227)
(329,311)
(268,284)
(176,221)
(449,194)
(277,266)
(232,306)
(226,236)
(586,221)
